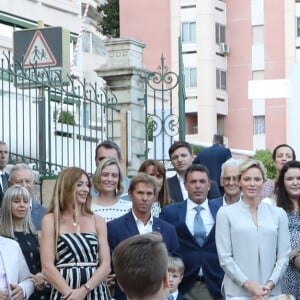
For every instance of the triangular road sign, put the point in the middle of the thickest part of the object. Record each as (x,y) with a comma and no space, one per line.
(38,53)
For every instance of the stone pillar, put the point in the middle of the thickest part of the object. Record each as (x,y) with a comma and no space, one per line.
(125,75)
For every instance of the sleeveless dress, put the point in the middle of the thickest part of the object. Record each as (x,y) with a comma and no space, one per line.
(77,260)
(31,250)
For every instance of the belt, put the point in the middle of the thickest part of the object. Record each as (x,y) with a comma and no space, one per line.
(200,279)
(77,264)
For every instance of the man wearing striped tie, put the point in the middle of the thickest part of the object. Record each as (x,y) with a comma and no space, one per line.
(3,163)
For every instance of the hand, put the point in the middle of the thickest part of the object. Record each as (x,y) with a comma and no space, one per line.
(257,291)
(111,280)
(3,295)
(77,294)
(39,281)
(16,292)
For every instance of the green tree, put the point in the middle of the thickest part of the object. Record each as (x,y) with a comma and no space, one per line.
(109,23)
(265,156)
(150,128)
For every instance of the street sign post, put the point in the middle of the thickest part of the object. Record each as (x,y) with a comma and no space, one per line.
(41,55)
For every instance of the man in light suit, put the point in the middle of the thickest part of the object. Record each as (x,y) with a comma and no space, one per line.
(22,174)
(203,274)
(3,163)
(213,157)
(142,192)
(181,156)
(18,284)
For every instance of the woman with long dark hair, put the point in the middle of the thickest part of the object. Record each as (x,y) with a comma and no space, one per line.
(287,191)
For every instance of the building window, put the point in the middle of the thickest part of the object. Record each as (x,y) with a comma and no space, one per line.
(188,30)
(298,26)
(220,33)
(221,79)
(92,43)
(259,125)
(190,77)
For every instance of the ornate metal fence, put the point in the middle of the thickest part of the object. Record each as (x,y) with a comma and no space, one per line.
(52,123)
(163,89)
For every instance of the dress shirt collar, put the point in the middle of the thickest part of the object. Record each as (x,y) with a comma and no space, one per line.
(143,228)
(191,204)
(174,294)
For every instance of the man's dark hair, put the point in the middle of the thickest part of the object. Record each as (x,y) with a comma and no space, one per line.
(109,145)
(196,168)
(180,144)
(218,139)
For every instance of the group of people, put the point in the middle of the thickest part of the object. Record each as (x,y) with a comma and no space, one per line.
(186,237)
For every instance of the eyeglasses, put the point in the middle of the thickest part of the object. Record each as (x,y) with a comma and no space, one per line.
(230,178)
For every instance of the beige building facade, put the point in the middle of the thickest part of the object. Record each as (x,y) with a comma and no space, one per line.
(228,46)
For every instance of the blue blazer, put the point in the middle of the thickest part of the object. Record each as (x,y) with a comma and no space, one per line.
(192,254)
(1,191)
(37,213)
(213,157)
(125,227)
(176,194)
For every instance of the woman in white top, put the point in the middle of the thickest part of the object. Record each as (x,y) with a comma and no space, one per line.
(108,182)
(252,240)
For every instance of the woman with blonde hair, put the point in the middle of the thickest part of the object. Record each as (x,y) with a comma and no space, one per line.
(157,170)
(252,240)
(108,182)
(74,248)
(16,223)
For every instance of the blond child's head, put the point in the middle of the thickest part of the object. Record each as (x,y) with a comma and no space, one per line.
(175,271)
(285,297)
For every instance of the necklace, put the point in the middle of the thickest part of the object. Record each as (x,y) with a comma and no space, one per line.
(77,226)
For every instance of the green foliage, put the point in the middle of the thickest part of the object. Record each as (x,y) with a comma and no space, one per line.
(265,156)
(197,149)
(109,23)
(150,127)
(66,117)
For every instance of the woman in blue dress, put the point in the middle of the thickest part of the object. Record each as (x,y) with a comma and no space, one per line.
(74,248)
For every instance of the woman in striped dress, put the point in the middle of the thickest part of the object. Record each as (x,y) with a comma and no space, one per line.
(74,248)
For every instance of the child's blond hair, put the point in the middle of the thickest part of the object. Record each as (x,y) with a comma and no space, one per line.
(175,265)
(285,297)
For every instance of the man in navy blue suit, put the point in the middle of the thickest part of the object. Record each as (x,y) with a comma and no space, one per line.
(3,163)
(213,157)
(142,191)
(181,156)
(194,221)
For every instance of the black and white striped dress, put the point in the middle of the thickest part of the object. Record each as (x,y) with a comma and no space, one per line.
(77,260)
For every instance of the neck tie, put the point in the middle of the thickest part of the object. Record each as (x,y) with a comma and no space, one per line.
(199,229)
(171,297)
(4,183)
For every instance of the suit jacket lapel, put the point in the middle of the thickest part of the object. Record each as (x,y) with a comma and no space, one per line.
(176,186)
(213,209)
(130,224)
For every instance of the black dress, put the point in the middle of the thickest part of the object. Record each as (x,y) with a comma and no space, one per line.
(31,250)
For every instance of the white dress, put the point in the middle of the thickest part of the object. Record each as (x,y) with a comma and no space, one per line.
(115,211)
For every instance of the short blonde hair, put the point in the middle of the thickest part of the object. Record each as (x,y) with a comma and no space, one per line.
(253,163)
(175,264)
